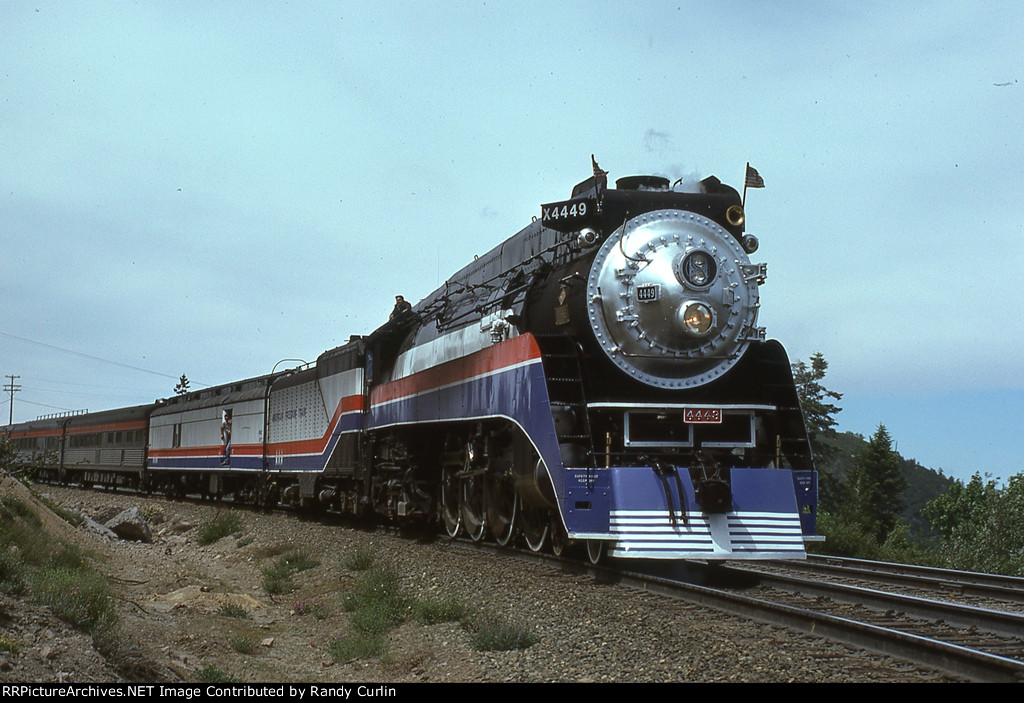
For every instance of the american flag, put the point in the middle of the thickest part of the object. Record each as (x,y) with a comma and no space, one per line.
(754,179)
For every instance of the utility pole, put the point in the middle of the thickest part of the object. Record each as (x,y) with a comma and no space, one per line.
(12,388)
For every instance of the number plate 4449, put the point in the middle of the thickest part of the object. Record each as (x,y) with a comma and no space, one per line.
(697,416)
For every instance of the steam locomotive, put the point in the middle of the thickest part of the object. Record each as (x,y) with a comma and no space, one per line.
(597,379)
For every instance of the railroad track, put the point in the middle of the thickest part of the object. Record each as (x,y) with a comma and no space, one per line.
(961,640)
(994,588)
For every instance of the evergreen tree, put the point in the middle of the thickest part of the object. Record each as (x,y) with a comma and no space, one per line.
(876,486)
(819,418)
(182,387)
(819,412)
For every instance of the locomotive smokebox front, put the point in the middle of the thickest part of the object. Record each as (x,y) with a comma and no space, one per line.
(672,299)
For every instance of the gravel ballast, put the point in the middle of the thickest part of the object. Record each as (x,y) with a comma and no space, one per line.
(173,594)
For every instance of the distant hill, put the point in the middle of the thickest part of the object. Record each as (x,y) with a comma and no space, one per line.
(923,484)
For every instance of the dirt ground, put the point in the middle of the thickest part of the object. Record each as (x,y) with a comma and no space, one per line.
(189,612)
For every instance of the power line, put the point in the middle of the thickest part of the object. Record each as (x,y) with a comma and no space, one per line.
(44,405)
(88,356)
(62,382)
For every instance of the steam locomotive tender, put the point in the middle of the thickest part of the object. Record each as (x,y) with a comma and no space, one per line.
(598,378)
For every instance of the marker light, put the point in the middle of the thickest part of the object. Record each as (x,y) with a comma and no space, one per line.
(699,269)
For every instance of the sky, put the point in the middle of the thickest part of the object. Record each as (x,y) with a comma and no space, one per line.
(208,188)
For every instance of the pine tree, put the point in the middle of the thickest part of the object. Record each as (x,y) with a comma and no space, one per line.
(877,486)
(819,418)
(182,387)
(819,412)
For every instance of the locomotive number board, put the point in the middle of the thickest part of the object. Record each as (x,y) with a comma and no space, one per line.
(568,215)
(648,293)
(702,416)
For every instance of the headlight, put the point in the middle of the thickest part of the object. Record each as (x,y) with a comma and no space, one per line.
(698,269)
(697,319)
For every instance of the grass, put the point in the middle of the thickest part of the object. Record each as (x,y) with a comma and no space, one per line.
(358,559)
(298,561)
(13,579)
(50,574)
(243,644)
(211,674)
(356,646)
(230,610)
(220,526)
(77,596)
(14,508)
(498,636)
(377,603)
(439,609)
(7,644)
(305,606)
(276,582)
(277,579)
(69,556)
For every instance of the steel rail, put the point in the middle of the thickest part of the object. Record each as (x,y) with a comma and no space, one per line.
(950,658)
(997,586)
(998,621)
(955,660)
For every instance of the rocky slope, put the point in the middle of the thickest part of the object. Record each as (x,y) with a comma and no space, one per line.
(188,611)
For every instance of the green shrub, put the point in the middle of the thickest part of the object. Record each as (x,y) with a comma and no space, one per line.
(356,646)
(845,537)
(12,508)
(12,573)
(69,557)
(305,606)
(277,581)
(441,609)
(28,544)
(76,596)
(377,602)
(243,644)
(277,578)
(69,516)
(495,636)
(359,559)
(230,610)
(52,574)
(7,644)
(221,526)
(297,561)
